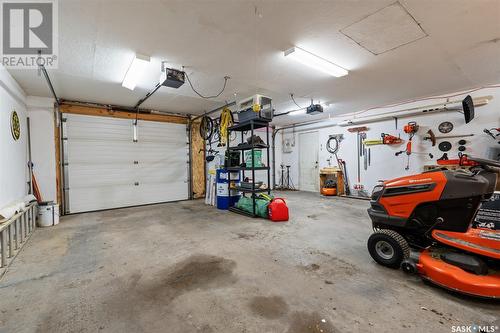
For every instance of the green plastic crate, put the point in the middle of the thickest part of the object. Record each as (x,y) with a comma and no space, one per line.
(257,153)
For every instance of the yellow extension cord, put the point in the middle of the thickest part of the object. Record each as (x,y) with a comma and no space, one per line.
(225,121)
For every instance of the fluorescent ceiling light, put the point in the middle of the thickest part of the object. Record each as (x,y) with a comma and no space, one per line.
(135,71)
(313,61)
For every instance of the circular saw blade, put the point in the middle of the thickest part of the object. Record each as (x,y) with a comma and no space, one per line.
(444,146)
(445,127)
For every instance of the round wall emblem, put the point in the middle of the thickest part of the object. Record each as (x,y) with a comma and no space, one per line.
(15,125)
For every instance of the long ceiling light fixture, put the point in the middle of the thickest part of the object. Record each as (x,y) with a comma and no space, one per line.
(135,71)
(309,59)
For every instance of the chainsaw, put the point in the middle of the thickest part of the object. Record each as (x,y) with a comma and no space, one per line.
(391,139)
(387,139)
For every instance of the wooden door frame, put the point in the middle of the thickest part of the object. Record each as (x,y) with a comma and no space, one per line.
(299,134)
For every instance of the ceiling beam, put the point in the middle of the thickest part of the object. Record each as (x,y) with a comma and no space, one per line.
(106,112)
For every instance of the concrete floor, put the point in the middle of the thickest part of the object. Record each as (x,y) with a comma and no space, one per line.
(186,267)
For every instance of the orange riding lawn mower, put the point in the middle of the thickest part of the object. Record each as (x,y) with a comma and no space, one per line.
(425,225)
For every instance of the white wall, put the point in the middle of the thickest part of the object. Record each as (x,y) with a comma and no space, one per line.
(41,114)
(384,165)
(13,154)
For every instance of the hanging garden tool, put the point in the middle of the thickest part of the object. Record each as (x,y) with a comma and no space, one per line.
(365,157)
(433,138)
(333,146)
(359,134)
(493,132)
(411,128)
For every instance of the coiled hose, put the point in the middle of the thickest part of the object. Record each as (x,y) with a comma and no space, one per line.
(225,121)
(333,146)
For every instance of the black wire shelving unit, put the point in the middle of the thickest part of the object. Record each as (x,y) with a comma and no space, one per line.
(250,126)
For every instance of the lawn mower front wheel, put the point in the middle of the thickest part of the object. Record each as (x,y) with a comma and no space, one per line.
(388,248)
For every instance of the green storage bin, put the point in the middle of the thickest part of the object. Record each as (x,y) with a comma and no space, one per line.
(257,153)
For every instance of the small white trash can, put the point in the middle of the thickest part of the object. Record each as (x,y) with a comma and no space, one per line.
(48,214)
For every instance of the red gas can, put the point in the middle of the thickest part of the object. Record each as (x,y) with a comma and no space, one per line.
(278,210)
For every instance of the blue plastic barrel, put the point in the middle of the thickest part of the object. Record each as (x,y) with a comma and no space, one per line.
(224,200)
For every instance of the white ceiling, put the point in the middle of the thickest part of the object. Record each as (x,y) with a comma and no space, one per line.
(246,40)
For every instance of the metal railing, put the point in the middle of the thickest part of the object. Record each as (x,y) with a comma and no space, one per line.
(15,232)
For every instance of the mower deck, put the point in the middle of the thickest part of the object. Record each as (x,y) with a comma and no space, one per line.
(435,270)
(480,241)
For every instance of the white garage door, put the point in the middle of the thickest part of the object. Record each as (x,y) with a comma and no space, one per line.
(105,169)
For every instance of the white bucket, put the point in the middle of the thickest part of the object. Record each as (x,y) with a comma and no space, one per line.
(48,215)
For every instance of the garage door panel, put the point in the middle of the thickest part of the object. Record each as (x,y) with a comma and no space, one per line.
(86,199)
(101,175)
(116,152)
(101,152)
(90,199)
(175,154)
(161,175)
(155,192)
(98,128)
(165,162)
(163,132)
(106,169)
